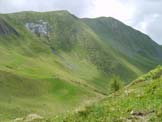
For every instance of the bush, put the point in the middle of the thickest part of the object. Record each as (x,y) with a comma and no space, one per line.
(116,83)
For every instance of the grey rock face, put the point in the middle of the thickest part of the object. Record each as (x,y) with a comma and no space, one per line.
(6,29)
(40,28)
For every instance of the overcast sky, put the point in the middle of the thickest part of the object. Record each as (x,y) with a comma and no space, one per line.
(144,15)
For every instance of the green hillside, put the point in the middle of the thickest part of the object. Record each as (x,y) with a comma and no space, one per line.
(53,62)
(130,42)
(138,102)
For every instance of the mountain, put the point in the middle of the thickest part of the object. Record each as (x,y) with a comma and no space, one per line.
(53,62)
(128,41)
(140,101)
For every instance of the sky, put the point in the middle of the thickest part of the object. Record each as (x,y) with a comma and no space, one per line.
(144,15)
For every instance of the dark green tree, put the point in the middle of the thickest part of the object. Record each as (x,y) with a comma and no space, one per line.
(116,83)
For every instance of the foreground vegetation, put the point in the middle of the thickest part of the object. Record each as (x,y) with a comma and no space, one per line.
(138,102)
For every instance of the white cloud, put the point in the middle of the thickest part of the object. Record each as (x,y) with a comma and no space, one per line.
(77,7)
(112,8)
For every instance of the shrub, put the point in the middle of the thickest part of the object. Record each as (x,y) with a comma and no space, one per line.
(116,83)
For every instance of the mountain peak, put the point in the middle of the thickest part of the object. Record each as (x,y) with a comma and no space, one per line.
(103,19)
(123,37)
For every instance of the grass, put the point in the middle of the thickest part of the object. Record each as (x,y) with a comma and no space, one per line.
(140,97)
(46,97)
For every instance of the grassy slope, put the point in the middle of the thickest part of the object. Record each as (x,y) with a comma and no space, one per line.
(78,50)
(140,101)
(21,96)
(132,43)
(34,79)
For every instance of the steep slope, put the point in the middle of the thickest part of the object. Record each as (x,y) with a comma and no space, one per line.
(138,102)
(61,36)
(52,62)
(130,42)
(36,79)
(79,39)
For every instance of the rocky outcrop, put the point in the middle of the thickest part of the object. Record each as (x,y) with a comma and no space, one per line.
(40,28)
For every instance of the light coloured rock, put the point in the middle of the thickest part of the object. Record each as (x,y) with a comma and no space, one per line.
(18,119)
(39,28)
(30,118)
(33,117)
